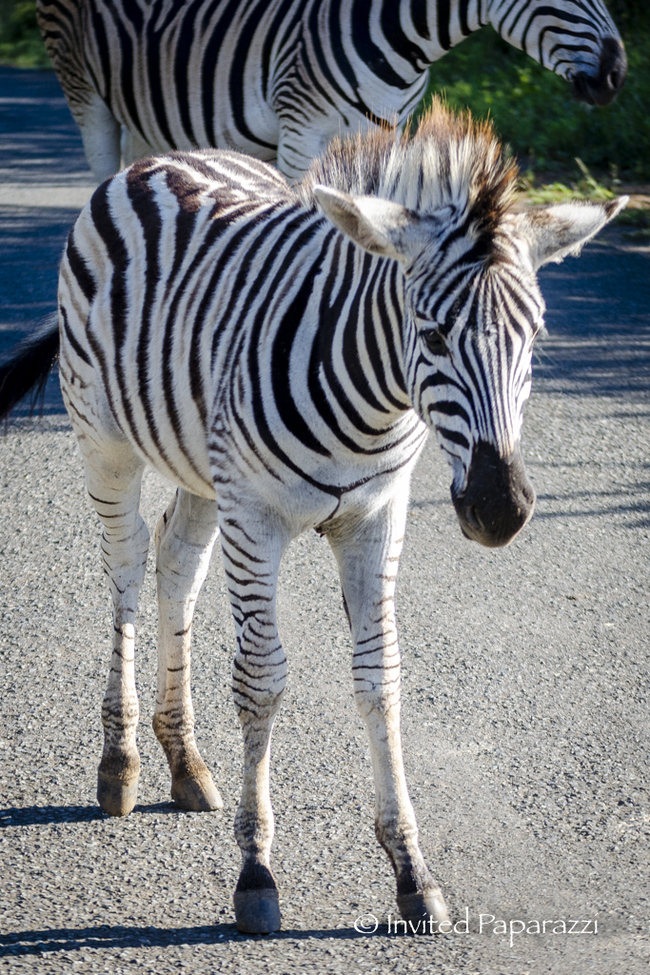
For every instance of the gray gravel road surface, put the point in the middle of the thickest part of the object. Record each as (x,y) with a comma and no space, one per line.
(525,687)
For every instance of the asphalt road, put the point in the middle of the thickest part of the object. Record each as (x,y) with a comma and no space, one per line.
(525,687)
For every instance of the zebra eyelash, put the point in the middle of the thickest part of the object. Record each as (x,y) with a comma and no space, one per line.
(539,332)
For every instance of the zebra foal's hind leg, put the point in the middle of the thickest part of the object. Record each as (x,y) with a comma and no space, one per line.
(368,554)
(184,539)
(113,479)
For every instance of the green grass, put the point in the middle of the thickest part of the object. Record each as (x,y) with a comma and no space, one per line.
(21,44)
(584,187)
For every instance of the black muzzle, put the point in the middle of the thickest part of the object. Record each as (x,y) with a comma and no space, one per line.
(602,88)
(498,500)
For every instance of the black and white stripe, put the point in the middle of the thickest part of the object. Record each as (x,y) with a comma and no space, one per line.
(279,354)
(280,78)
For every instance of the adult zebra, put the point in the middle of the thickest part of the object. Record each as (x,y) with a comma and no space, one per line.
(280,354)
(280,78)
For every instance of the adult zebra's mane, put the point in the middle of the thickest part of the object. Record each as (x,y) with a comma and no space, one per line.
(447,159)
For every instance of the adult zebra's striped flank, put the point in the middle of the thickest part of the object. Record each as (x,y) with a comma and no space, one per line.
(280,78)
(280,354)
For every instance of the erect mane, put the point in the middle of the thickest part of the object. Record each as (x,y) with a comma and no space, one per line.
(447,159)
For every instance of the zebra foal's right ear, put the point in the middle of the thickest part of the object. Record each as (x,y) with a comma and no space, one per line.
(374,224)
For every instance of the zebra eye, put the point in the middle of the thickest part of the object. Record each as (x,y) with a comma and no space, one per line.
(434,341)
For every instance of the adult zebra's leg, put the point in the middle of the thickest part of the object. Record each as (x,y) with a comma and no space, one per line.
(113,479)
(368,554)
(133,147)
(184,538)
(252,548)
(100,134)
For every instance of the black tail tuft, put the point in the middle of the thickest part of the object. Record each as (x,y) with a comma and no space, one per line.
(28,369)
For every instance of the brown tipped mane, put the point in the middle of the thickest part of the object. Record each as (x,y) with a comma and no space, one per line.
(446,159)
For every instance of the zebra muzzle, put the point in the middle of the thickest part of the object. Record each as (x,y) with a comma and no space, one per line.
(602,88)
(498,499)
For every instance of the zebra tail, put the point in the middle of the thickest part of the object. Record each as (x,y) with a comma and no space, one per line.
(28,369)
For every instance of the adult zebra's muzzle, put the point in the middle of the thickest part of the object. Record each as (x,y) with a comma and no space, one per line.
(602,88)
(498,499)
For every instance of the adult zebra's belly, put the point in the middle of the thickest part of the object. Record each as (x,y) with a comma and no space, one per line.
(191,82)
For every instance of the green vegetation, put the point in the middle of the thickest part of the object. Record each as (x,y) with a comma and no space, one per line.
(20,40)
(583,188)
(533,110)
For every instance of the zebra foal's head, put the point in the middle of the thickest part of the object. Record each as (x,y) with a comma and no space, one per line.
(576,39)
(442,206)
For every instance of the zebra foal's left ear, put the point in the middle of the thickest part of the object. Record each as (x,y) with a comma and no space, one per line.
(374,224)
(556,231)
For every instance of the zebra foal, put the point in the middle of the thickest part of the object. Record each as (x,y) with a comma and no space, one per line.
(280,78)
(280,354)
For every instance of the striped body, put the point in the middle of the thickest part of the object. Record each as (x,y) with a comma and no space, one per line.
(280,78)
(236,290)
(280,353)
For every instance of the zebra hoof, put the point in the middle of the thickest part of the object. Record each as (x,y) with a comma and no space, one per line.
(425,911)
(117,796)
(197,794)
(257,911)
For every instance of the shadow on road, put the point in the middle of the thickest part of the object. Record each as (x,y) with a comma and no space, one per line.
(49,815)
(46,815)
(626,506)
(598,340)
(46,941)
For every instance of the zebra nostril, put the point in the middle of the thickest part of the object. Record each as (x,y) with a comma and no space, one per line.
(614,80)
(473,518)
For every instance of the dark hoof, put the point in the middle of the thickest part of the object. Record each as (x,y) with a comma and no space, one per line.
(257,911)
(116,796)
(425,911)
(197,794)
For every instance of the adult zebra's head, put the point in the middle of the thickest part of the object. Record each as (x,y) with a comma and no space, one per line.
(576,39)
(471,303)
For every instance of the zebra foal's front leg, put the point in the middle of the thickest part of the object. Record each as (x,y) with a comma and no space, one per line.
(184,539)
(368,555)
(252,548)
